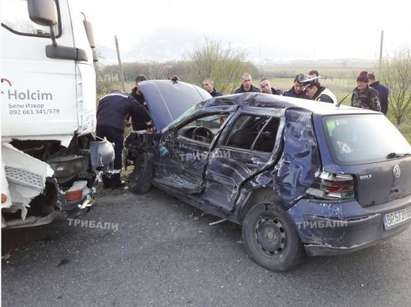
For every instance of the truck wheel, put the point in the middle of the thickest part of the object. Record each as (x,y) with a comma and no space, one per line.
(139,181)
(270,238)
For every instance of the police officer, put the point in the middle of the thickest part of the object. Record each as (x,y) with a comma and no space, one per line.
(112,112)
(135,92)
(315,91)
(364,96)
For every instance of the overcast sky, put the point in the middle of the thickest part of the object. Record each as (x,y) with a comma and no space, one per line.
(275,30)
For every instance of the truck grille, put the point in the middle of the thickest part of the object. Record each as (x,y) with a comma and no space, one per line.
(24,177)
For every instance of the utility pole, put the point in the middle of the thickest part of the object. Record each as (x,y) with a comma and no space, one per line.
(381,48)
(121,73)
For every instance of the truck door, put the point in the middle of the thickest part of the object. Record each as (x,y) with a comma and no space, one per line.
(38,93)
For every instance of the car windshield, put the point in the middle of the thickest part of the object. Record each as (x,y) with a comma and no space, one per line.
(364,138)
(186,114)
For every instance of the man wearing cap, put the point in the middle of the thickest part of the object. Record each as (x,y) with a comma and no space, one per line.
(363,96)
(246,85)
(315,91)
(383,92)
(297,90)
(208,85)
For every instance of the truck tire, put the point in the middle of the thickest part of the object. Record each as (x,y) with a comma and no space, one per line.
(139,180)
(270,238)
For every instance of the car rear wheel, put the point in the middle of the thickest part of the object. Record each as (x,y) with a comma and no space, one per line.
(139,180)
(270,238)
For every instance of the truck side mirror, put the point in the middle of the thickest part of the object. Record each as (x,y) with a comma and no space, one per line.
(43,12)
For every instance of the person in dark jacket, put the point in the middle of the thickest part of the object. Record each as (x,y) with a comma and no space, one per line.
(135,92)
(364,96)
(246,85)
(297,90)
(208,85)
(112,112)
(265,87)
(383,92)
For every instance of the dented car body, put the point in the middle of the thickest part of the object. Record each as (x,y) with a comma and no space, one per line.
(299,176)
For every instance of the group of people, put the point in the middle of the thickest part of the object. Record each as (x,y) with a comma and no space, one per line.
(116,108)
(368,94)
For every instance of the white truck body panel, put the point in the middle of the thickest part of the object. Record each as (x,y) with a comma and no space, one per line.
(42,99)
(46,98)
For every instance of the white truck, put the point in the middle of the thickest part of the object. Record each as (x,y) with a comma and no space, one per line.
(50,156)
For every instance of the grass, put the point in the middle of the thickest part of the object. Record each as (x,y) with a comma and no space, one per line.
(405,129)
(341,87)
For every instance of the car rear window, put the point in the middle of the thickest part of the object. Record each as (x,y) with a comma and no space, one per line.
(363,138)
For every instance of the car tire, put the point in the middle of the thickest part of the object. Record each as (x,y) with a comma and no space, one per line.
(270,238)
(139,180)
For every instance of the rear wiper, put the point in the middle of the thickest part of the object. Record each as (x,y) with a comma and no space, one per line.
(394,155)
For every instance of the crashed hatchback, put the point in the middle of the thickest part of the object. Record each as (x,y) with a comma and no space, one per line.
(301,177)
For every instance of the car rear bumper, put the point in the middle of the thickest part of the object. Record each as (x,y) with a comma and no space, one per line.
(344,227)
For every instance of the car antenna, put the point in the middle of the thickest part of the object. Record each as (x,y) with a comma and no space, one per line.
(341,101)
(175,79)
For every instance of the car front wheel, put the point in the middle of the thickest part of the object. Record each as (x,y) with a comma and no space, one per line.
(270,238)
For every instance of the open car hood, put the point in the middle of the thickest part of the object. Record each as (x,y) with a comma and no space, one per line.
(167,100)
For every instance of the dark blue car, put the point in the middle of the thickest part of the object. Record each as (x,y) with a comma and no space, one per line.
(300,176)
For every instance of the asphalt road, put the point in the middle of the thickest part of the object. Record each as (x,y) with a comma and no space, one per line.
(160,252)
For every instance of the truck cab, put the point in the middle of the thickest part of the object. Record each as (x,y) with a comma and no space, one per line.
(51,157)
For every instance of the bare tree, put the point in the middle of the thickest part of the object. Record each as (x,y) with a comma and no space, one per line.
(224,65)
(396,74)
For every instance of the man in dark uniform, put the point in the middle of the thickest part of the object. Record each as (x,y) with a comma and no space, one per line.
(297,90)
(135,92)
(112,112)
(246,85)
(208,85)
(383,92)
(364,96)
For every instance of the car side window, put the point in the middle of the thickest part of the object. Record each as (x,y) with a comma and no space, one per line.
(203,129)
(254,132)
(16,19)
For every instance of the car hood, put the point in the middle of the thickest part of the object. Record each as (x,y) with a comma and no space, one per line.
(166,100)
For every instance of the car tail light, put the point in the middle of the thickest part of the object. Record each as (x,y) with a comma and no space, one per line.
(332,186)
(74,195)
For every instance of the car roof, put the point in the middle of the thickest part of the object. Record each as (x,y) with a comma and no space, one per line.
(283,102)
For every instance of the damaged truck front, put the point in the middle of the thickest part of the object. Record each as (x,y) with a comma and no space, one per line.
(50,156)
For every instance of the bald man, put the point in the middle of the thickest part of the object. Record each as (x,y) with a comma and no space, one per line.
(246,85)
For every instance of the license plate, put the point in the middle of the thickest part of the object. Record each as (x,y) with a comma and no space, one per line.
(396,218)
